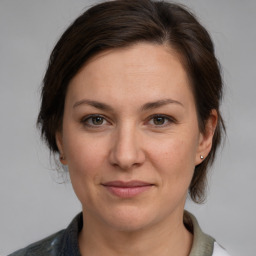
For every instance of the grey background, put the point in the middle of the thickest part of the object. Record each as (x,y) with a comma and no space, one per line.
(34,204)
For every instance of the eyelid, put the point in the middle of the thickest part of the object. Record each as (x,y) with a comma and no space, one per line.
(86,118)
(170,119)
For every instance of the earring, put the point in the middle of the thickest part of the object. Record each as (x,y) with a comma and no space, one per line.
(202,157)
(62,157)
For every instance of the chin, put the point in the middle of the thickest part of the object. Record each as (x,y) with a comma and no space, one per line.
(130,219)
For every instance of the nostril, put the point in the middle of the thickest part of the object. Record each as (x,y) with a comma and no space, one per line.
(126,160)
(126,151)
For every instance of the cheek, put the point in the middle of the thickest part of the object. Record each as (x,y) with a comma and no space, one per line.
(85,160)
(173,151)
(174,158)
(85,157)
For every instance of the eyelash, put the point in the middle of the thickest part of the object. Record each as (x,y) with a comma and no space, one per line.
(167,120)
(85,120)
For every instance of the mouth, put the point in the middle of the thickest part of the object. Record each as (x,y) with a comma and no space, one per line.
(127,189)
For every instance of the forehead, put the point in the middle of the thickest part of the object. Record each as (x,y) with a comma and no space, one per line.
(143,71)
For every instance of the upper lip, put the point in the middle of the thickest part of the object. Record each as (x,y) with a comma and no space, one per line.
(126,184)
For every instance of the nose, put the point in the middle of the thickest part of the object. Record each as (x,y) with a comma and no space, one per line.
(127,151)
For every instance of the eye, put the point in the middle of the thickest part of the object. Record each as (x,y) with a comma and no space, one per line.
(160,120)
(94,120)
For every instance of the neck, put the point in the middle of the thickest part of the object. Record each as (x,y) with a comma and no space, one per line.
(169,237)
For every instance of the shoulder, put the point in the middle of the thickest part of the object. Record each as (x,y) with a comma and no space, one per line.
(62,243)
(203,244)
(47,246)
(219,251)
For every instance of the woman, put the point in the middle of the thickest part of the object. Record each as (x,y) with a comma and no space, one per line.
(130,102)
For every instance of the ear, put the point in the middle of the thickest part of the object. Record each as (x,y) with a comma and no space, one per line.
(206,137)
(59,142)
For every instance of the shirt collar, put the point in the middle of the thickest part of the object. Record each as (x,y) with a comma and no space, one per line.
(202,243)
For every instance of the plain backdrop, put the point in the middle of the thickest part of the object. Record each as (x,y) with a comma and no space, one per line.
(34,202)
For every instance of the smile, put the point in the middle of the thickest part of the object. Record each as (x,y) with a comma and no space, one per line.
(127,189)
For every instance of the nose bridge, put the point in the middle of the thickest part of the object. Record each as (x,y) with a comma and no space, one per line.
(127,149)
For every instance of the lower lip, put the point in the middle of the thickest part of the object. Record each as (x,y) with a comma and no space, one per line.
(127,192)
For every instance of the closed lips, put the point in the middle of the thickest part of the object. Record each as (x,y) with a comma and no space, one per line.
(128,184)
(127,189)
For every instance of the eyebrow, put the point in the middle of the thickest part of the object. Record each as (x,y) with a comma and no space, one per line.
(96,104)
(147,106)
(160,103)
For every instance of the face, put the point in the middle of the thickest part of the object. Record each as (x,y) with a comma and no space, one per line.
(130,137)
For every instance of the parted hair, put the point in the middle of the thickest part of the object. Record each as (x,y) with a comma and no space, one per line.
(121,23)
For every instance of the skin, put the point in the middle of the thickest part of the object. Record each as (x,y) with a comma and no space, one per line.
(130,139)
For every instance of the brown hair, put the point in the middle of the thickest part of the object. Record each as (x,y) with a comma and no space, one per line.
(121,23)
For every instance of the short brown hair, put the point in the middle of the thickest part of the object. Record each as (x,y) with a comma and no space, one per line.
(121,23)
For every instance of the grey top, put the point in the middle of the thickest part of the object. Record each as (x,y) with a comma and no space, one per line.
(62,243)
(203,244)
(65,242)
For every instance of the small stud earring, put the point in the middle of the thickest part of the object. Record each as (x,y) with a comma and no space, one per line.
(202,157)
(62,157)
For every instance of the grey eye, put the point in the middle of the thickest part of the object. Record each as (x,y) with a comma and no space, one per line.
(94,121)
(159,120)
(97,120)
